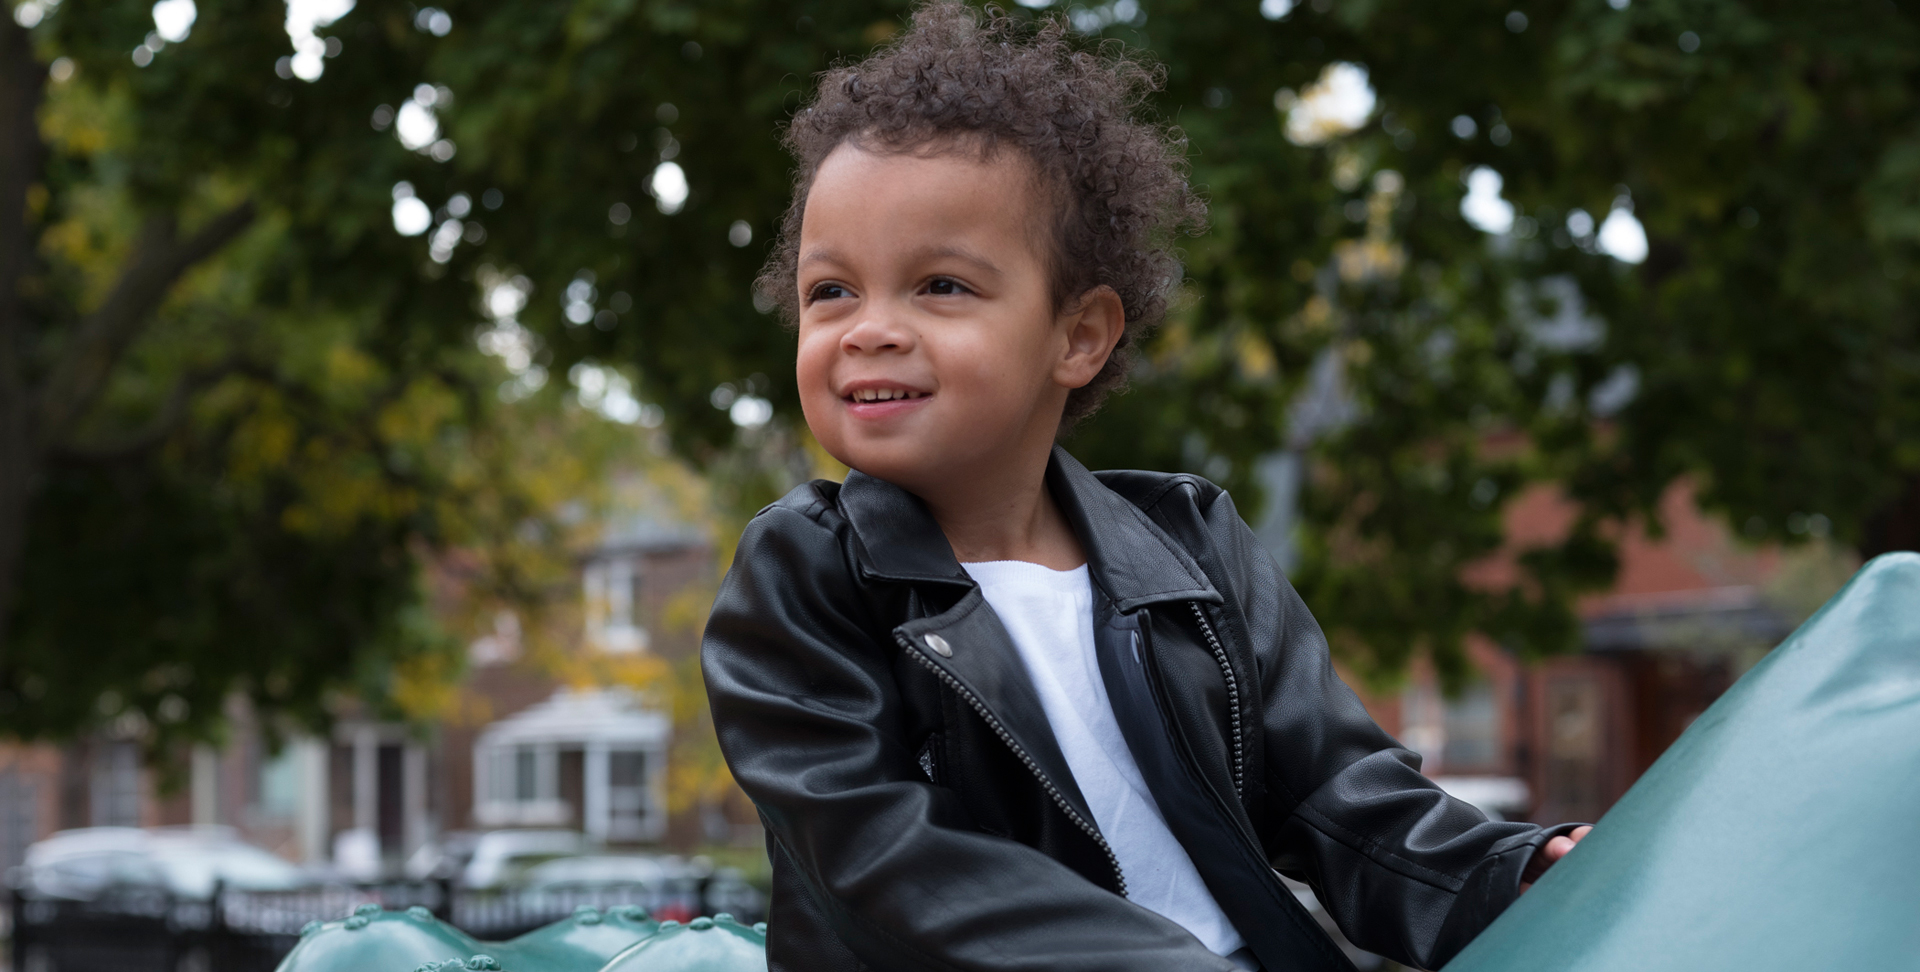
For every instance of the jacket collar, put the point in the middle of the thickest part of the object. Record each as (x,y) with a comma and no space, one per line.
(1129,557)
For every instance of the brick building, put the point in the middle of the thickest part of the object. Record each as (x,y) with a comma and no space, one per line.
(366,798)
(1564,738)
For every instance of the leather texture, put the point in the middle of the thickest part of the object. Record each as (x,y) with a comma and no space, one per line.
(1775,835)
(1278,930)
(920,815)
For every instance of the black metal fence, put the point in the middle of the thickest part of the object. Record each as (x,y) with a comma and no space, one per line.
(148,930)
(133,930)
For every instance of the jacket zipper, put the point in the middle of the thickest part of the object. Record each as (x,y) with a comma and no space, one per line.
(1032,767)
(1233,697)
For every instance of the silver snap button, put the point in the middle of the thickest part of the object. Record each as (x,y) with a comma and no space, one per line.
(939,646)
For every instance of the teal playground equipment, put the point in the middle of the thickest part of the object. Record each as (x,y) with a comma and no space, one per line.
(622,939)
(1775,835)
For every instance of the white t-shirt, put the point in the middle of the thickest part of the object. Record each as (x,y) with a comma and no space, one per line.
(1049,613)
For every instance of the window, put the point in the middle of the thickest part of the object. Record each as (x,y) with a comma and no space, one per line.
(628,800)
(520,785)
(1472,730)
(626,768)
(612,588)
(1452,735)
(116,785)
(279,782)
(1574,727)
(1422,727)
(526,779)
(19,816)
(580,759)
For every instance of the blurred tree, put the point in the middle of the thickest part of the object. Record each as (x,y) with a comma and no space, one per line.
(612,166)
(228,450)
(1758,346)
(1609,246)
(1343,311)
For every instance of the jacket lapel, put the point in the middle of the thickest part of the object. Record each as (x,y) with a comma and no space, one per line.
(976,654)
(1132,561)
(902,542)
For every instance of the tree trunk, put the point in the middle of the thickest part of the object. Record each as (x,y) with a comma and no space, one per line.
(22,80)
(36,418)
(17,472)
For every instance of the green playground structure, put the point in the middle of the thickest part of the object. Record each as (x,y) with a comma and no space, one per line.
(1776,835)
(622,939)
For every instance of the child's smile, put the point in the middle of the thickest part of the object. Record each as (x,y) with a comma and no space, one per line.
(877,400)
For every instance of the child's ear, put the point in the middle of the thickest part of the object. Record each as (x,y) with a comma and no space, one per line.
(1093,324)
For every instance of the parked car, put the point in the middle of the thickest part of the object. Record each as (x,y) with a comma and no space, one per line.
(443,859)
(661,884)
(187,862)
(592,871)
(501,857)
(728,891)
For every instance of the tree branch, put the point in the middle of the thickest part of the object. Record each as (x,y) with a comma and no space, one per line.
(159,259)
(154,431)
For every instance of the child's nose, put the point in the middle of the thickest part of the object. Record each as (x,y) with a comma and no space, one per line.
(876,332)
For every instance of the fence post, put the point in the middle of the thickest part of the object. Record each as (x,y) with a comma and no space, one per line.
(219,943)
(174,932)
(16,906)
(444,910)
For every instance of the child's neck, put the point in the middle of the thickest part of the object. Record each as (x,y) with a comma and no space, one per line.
(1011,516)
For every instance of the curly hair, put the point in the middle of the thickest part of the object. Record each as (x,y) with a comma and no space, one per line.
(1118,183)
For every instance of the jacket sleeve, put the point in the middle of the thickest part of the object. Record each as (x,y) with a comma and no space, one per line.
(1405,870)
(810,719)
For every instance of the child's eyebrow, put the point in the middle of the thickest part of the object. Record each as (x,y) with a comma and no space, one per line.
(820,255)
(957,252)
(921,255)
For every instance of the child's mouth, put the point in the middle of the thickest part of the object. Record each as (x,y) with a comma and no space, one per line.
(880,403)
(870,395)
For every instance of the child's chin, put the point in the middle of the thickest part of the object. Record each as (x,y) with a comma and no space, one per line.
(896,462)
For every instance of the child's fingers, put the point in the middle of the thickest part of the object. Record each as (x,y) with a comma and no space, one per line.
(1559,846)
(1553,851)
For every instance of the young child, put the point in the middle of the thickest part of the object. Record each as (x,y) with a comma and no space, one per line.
(996,711)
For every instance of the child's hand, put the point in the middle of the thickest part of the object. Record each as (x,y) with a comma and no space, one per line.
(1555,849)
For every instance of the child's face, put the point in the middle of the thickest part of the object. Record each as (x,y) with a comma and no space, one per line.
(930,350)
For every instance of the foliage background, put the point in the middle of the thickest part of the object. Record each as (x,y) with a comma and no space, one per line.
(298,419)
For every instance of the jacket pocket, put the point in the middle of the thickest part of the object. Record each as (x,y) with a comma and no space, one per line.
(929,760)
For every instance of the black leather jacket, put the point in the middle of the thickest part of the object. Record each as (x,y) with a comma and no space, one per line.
(919,812)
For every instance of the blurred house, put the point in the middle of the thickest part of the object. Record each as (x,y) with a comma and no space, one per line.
(527,751)
(591,759)
(1564,738)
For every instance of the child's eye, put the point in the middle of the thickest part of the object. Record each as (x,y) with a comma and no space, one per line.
(826,291)
(946,287)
